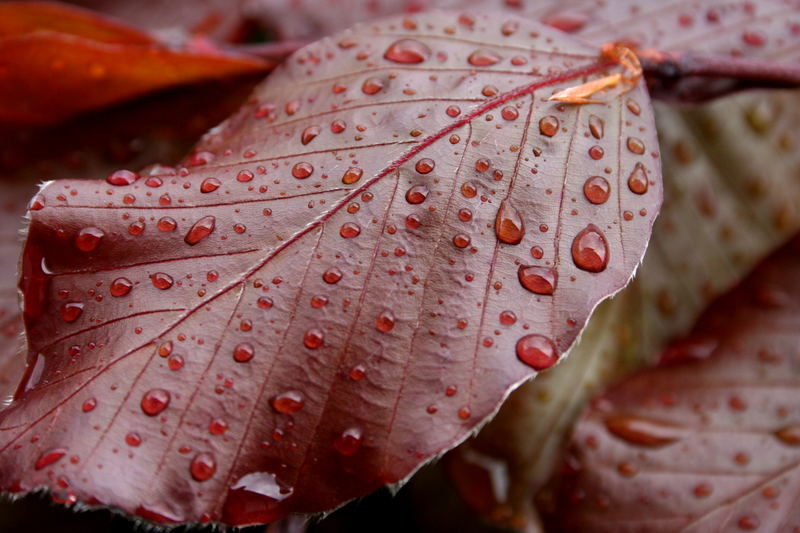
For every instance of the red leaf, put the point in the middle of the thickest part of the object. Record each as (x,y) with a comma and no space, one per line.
(708,443)
(97,62)
(319,303)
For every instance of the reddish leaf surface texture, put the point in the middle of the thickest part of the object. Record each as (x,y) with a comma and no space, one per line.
(345,279)
(708,441)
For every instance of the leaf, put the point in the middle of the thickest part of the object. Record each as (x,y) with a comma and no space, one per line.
(731,196)
(96,62)
(318,306)
(708,443)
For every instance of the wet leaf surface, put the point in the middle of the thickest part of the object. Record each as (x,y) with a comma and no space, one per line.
(708,442)
(341,283)
(96,62)
(731,196)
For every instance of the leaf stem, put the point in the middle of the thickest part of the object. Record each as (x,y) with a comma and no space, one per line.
(672,66)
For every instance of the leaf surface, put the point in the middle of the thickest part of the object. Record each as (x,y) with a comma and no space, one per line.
(707,443)
(331,292)
(97,62)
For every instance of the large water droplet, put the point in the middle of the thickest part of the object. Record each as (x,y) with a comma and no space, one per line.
(590,249)
(122,177)
(200,230)
(548,126)
(71,311)
(154,401)
(88,239)
(288,402)
(203,466)
(643,432)
(372,86)
(538,279)
(313,338)
(166,224)
(120,287)
(332,275)
(407,51)
(635,145)
(596,126)
(537,351)
(349,230)
(637,181)
(508,225)
(348,442)
(243,352)
(417,194)
(209,185)
(308,134)
(352,175)
(49,457)
(161,281)
(596,189)
(385,321)
(302,170)
(483,57)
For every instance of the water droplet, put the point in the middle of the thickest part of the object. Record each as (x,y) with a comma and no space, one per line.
(754,38)
(313,338)
(71,311)
(703,490)
(460,240)
(89,405)
(352,175)
(287,402)
(483,57)
(642,432)
(357,373)
(348,442)
(509,113)
(789,435)
(166,224)
(36,203)
(332,275)
(407,51)
(464,413)
(424,165)
(537,351)
(210,185)
(133,439)
(508,225)
(161,281)
(464,214)
(508,318)
(596,126)
(548,126)
(385,321)
(165,349)
(243,352)
(88,239)
(596,189)
(509,27)
(413,221)
(635,145)
(218,426)
(749,523)
(590,250)
(175,362)
(318,301)
(302,170)
(537,279)
(372,86)
(338,126)
(120,287)
(469,190)
(49,457)
(200,230)
(203,466)
(637,181)
(122,177)
(348,230)
(308,134)
(596,152)
(154,401)
(482,165)
(417,194)
(453,111)
(244,176)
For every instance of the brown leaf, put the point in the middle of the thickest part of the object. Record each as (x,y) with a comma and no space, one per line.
(318,303)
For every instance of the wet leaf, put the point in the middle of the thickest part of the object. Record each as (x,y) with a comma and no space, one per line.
(97,62)
(730,197)
(709,442)
(318,303)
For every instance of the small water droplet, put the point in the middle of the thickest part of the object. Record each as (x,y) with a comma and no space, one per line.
(161,281)
(349,442)
(89,405)
(464,413)
(288,402)
(88,239)
(203,466)
(352,175)
(464,214)
(538,279)
(166,224)
(469,190)
(453,111)
(309,134)
(413,221)
(209,185)
(313,338)
(175,362)
(302,170)
(635,145)
(120,287)
(789,435)
(243,352)
(332,275)
(318,301)
(596,152)
(508,225)
(508,318)
(509,113)
(590,250)
(483,57)
(49,457)
(385,321)
(133,439)
(218,426)
(596,126)
(417,194)
(349,230)
(407,51)
(244,176)
(357,373)
(637,181)
(461,240)
(71,311)
(548,126)
(154,401)
(424,165)
(200,230)
(537,351)
(596,189)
